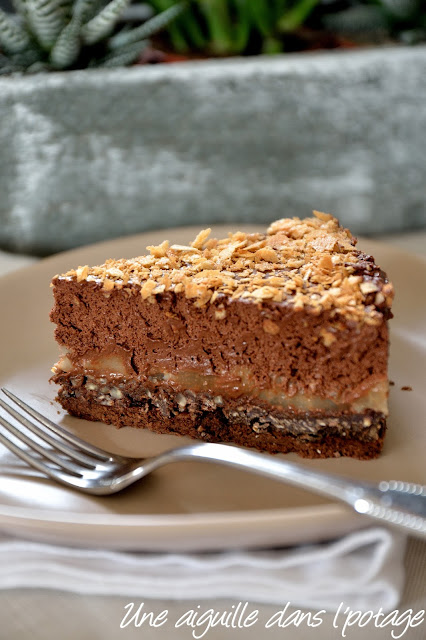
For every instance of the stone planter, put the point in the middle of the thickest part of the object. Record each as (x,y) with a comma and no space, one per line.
(90,155)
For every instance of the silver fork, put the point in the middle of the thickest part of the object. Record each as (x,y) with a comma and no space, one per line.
(69,460)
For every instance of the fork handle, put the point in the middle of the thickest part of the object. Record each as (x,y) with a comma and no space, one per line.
(399,504)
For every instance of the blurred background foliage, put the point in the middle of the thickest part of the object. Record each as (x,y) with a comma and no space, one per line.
(233,27)
(248,27)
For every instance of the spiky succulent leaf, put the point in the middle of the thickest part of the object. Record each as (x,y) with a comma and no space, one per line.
(192,27)
(262,16)
(182,35)
(37,67)
(85,10)
(294,17)
(149,28)
(46,19)
(401,8)
(7,65)
(357,20)
(20,7)
(124,56)
(26,58)
(67,34)
(241,33)
(13,37)
(67,47)
(103,24)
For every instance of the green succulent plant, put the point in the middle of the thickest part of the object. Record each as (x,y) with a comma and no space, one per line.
(375,20)
(48,35)
(229,27)
(224,27)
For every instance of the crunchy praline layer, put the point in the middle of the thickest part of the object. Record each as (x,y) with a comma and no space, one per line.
(210,418)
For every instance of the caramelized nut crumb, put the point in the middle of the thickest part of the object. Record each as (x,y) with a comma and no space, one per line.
(269,255)
(108,284)
(220,313)
(270,327)
(147,289)
(368,287)
(82,273)
(160,250)
(309,264)
(201,239)
(327,337)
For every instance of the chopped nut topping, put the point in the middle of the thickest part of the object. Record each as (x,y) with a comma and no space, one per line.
(113,272)
(201,238)
(325,217)
(269,255)
(263,293)
(309,264)
(159,251)
(108,284)
(324,243)
(368,287)
(82,273)
(193,290)
(147,289)
(325,263)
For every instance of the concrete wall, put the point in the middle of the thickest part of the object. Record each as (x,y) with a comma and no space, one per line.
(91,155)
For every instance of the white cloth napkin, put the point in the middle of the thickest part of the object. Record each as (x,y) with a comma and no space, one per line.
(364,570)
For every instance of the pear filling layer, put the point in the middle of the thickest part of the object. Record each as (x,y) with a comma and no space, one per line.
(108,373)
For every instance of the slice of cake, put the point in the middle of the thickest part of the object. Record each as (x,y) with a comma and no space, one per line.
(277,341)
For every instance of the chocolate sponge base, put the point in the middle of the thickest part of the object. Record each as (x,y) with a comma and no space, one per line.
(215,419)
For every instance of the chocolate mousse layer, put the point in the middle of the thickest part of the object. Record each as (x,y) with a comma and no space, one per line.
(277,341)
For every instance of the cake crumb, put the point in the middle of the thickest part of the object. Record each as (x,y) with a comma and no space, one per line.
(220,313)
(327,337)
(270,327)
(406,388)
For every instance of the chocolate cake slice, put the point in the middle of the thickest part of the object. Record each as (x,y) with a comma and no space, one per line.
(277,341)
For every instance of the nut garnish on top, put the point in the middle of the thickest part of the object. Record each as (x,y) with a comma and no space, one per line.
(310,263)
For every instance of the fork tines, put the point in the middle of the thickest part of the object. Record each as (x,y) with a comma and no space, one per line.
(46,441)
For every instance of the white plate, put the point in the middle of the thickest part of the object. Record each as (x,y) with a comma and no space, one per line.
(192,505)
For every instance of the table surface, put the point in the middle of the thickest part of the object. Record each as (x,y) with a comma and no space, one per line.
(38,614)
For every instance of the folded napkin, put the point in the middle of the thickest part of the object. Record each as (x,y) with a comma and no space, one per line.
(363,570)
